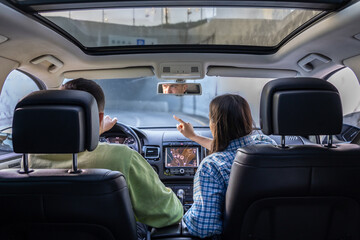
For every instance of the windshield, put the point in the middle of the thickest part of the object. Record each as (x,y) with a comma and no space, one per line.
(135,101)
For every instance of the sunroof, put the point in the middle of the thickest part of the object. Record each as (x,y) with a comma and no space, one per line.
(124,27)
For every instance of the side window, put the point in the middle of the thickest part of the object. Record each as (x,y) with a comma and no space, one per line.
(349,88)
(16,86)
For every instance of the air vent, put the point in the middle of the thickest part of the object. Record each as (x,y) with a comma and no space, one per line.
(152,152)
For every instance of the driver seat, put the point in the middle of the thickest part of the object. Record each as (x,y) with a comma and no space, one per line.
(59,203)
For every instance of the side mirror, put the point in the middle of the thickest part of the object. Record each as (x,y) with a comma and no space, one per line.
(179,89)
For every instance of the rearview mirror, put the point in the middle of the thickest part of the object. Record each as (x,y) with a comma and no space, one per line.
(179,89)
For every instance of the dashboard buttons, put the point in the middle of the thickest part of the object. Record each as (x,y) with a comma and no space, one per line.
(167,172)
(180,171)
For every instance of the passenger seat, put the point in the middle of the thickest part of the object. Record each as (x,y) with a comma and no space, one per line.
(295,192)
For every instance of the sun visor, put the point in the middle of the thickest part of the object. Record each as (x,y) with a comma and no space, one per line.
(249,72)
(131,72)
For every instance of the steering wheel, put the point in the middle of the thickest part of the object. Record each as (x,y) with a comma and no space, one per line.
(137,146)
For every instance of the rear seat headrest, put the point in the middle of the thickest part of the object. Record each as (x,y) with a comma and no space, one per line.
(300,106)
(56,121)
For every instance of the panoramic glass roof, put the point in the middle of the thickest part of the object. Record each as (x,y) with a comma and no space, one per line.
(121,27)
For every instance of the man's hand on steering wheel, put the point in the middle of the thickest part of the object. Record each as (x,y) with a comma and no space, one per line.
(108,123)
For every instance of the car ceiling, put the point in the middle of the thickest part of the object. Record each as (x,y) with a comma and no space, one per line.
(332,36)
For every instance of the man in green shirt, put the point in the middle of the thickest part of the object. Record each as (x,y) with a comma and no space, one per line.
(153,203)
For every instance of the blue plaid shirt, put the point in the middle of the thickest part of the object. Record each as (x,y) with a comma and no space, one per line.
(205,217)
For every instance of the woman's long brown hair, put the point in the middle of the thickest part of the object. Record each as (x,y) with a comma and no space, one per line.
(230,116)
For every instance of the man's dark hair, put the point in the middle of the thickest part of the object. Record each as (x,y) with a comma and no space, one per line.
(88,86)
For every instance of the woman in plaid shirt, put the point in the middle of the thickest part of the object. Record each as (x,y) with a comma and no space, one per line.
(231,126)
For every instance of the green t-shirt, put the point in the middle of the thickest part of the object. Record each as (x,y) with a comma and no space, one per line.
(153,203)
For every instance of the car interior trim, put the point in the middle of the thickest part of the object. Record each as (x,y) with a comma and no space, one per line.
(130,72)
(38,6)
(249,72)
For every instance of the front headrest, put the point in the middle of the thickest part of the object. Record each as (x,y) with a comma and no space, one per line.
(56,121)
(300,106)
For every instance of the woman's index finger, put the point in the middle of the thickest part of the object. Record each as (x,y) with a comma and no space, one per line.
(178,119)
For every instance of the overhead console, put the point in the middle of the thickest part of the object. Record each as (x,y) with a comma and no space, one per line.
(181,70)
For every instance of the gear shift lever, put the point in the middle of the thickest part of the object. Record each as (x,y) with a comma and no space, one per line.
(181,195)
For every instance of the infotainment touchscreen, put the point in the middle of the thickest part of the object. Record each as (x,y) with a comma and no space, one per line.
(182,157)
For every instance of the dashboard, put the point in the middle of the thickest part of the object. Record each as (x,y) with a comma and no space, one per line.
(175,158)
(120,140)
(172,156)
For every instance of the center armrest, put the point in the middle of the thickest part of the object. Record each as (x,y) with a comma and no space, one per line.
(174,232)
(169,231)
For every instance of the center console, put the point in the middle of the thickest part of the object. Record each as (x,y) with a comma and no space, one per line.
(181,159)
(176,160)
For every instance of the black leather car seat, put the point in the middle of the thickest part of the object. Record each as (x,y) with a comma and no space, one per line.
(62,203)
(295,192)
